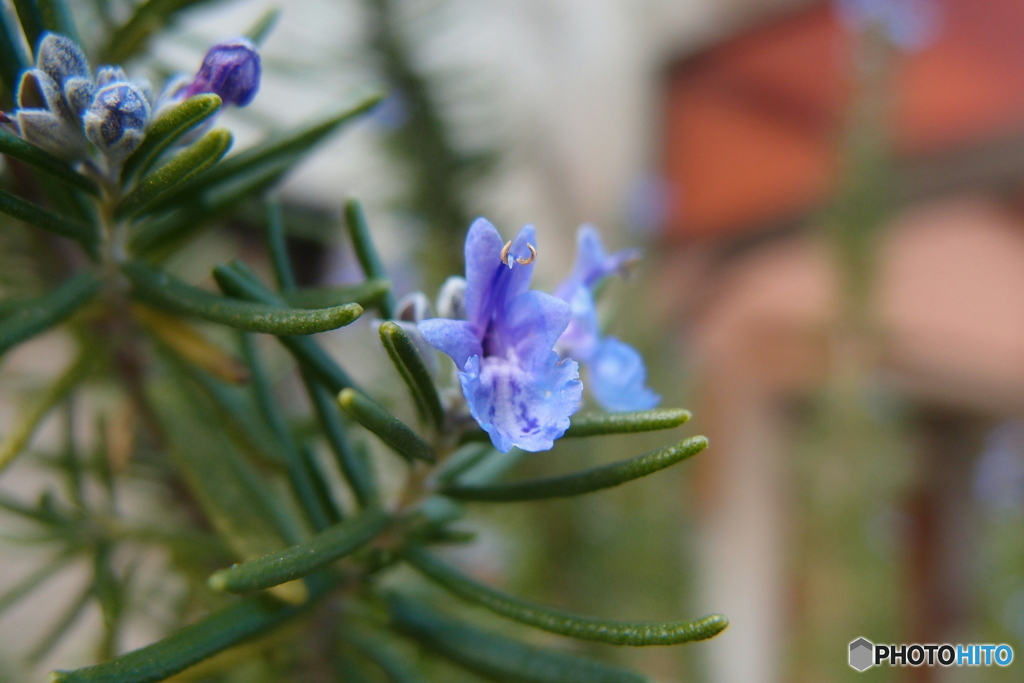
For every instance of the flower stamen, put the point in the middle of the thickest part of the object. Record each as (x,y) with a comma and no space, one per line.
(521,261)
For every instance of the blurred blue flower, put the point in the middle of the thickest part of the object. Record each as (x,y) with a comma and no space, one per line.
(616,375)
(909,24)
(517,388)
(230,69)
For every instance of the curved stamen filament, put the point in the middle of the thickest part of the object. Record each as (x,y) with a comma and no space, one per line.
(520,261)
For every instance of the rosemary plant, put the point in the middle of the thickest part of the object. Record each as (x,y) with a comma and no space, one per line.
(107,178)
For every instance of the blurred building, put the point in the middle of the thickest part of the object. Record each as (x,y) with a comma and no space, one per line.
(755,127)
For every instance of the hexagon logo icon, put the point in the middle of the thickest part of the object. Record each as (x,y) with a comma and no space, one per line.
(862,653)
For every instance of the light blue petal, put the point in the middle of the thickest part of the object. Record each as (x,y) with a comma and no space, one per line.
(617,377)
(483,266)
(579,341)
(530,326)
(592,263)
(527,408)
(457,338)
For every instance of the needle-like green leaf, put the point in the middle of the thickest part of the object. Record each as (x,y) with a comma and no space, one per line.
(495,656)
(167,130)
(413,369)
(599,424)
(278,153)
(184,166)
(579,483)
(16,440)
(277,245)
(264,25)
(367,294)
(160,289)
(302,559)
(149,17)
(221,630)
(40,159)
(373,646)
(42,313)
(389,428)
(16,207)
(57,17)
(636,633)
(370,261)
(31,19)
(13,58)
(299,476)
(359,476)
(237,281)
(33,581)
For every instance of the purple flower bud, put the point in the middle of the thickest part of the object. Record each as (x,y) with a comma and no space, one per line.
(230,69)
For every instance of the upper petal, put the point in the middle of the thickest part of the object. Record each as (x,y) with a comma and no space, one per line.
(457,338)
(483,266)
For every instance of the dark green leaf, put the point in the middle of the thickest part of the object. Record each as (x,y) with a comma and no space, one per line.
(239,504)
(413,369)
(167,130)
(278,247)
(279,153)
(578,483)
(31,18)
(19,436)
(184,166)
(389,428)
(13,146)
(157,238)
(367,294)
(42,313)
(16,207)
(495,656)
(370,261)
(636,633)
(160,289)
(13,59)
(263,26)
(150,16)
(221,630)
(355,470)
(302,559)
(57,17)
(381,652)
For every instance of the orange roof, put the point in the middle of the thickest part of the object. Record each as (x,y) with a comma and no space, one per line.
(752,124)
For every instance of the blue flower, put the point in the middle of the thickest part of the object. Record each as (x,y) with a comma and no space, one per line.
(515,385)
(616,375)
(232,70)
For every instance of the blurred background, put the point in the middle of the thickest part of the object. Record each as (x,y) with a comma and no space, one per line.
(830,197)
